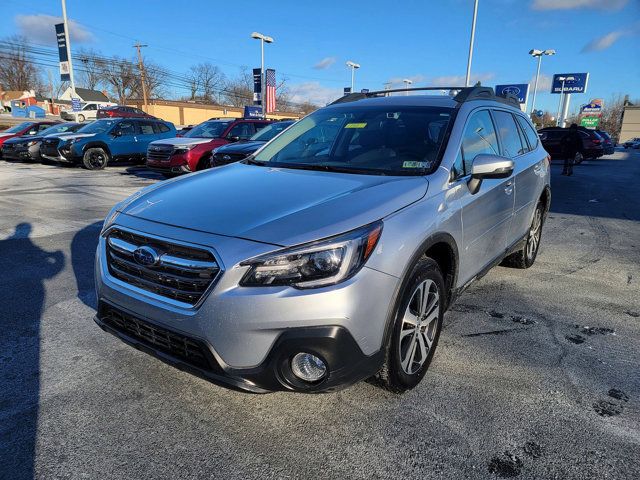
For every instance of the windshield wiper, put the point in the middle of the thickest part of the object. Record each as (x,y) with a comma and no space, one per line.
(329,168)
(252,161)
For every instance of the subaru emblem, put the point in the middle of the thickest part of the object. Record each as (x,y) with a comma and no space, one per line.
(146,256)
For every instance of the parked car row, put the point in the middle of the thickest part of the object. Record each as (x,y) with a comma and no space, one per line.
(95,110)
(595,143)
(633,143)
(139,139)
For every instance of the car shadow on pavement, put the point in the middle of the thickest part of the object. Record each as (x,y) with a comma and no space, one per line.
(25,267)
(83,251)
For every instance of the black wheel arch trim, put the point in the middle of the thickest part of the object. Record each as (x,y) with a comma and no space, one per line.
(432,240)
(102,145)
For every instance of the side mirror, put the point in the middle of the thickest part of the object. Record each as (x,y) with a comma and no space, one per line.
(32,132)
(117,133)
(233,139)
(488,166)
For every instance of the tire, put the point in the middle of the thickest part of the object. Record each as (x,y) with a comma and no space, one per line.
(410,348)
(526,256)
(204,163)
(81,118)
(577,160)
(95,159)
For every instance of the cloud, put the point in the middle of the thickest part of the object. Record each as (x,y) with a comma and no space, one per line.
(458,80)
(607,41)
(325,63)
(575,4)
(544,83)
(314,92)
(40,29)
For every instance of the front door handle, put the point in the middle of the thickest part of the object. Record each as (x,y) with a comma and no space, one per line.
(508,188)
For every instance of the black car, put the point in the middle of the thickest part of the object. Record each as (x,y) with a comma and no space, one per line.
(28,147)
(607,142)
(592,143)
(234,152)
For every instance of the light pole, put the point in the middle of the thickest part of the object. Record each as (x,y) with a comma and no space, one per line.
(473,35)
(68,42)
(263,39)
(407,82)
(562,79)
(353,66)
(538,53)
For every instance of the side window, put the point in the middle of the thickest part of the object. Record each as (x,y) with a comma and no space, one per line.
(161,127)
(126,129)
(260,126)
(479,137)
(508,131)
(529,132)
(146,128)
(242,131)
(91,106)
(523,139)
(43,127)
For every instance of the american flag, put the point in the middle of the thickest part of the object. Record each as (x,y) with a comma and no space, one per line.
(270,93)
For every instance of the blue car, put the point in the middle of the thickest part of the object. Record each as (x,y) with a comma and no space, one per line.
(106,140)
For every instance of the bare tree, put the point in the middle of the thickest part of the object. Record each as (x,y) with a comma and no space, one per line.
(121,76)
(239,91)
(155,80)
(90,67)
(205,82)
(18,70)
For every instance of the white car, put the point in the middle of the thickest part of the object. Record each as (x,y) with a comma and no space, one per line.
(89,111)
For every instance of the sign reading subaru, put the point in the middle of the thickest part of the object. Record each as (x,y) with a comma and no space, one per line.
(570,83)
(520,90)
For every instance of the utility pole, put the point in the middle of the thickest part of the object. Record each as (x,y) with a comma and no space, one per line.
(68,35)
(137,46)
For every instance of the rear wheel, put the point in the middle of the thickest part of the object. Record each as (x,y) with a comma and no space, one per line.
(95,159)
(525,257)
(416,330)
(81,118)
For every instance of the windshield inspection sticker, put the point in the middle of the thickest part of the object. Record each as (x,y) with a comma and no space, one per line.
(355,125)
(415,164)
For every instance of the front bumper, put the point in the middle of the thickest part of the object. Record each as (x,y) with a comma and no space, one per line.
(251,332)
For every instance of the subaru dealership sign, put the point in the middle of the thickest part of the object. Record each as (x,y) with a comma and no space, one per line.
(520,90)
(570,83)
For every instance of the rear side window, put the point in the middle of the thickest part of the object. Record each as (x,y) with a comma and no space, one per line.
(126,128)
(146,128)
(509,136)
(160,127)
(529,132)
(479,137)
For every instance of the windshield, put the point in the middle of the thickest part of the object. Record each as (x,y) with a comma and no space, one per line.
(65,127)
(19,128)
(98,126)
(387,140)
(270,131)
(208,130)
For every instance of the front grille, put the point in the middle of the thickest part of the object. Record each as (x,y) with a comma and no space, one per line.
(178,272)
(159,153)
(189,350)
(49,146)
(225,158)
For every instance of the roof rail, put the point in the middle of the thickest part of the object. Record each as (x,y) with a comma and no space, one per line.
(462,94)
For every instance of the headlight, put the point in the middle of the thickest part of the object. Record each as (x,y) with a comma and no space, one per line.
(316,264)
(183,149)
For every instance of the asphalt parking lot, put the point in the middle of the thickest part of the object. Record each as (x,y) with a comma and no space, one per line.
(536,374)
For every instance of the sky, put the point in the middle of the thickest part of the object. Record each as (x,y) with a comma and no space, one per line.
(425,41)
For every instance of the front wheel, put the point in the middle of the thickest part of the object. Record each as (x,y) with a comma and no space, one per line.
(416,329)
(81,118)
(95,159)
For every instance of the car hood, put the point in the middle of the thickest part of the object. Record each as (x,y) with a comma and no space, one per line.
(70,136)
(241,147)
(274,205)
(4,134)
(181,141)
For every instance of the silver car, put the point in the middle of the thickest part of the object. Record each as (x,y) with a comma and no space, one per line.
(331,254)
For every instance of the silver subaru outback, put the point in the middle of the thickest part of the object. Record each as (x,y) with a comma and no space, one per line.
(331,254)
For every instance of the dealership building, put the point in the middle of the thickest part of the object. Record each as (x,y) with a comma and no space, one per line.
(630,123)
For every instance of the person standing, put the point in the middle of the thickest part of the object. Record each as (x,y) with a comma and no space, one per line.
(571,146)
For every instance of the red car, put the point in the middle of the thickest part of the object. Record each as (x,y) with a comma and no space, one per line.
(23,129)
(122,111)
(192,151)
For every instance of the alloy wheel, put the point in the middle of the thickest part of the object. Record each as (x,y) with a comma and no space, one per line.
(419,325)
(534,234)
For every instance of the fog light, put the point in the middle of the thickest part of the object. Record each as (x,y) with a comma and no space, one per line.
(308,367)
